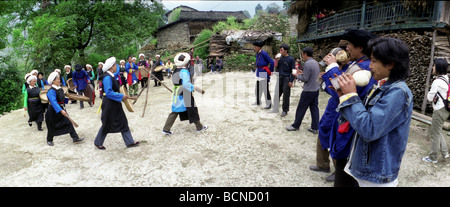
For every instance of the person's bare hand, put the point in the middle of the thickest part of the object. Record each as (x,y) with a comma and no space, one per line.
(329,59)
(346,83)
(64,113)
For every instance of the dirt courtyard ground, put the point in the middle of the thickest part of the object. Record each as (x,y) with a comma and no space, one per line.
(243,146)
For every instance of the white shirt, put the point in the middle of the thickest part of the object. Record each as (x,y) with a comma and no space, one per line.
(440,86)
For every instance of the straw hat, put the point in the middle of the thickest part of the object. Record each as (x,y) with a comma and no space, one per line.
(181,63)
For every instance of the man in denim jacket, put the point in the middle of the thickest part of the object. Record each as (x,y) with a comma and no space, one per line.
(382,119)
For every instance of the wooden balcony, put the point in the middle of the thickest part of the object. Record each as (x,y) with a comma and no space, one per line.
(378,16)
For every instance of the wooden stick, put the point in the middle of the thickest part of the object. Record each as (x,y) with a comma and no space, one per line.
(73,122)
(146,98)
(139,95)
(161,82)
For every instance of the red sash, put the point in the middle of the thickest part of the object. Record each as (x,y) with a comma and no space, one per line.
(266,68)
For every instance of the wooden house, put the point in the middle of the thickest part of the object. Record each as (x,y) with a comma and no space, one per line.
(423,25)
(188,25)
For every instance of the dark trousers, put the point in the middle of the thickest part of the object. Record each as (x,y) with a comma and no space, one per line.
(144,82)
(284,90)
(341,178)
(262,86)
(171,119)
(101,136)
(308,100)
(81,92)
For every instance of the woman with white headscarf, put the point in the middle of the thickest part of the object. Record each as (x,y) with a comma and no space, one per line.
(183,103)
(56,116)
(32,103)
(113,117)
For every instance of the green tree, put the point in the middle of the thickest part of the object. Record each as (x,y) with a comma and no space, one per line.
(258,8)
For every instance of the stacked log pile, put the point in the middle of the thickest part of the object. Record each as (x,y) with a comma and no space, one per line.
(442,47)
(420,48)
(218,45)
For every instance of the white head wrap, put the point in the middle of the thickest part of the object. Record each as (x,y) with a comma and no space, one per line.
(89,66)
(178,63)
(122,61)
(57,70)
(109,63)
(67,66)
(34,71)
(100,63)
(141,55)
(31,77)
(27,75)
(52,77)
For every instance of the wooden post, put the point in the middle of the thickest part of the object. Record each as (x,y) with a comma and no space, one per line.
(363,15)
(430,69)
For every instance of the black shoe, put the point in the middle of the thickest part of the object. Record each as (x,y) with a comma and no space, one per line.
(291,128)
(100,147)
(314,131)
(40,129)
(30,123)
(330,178)
(134,144)
(268,107)
(283,114)
(167,132)
(50,144)
(318,169)
(78,140)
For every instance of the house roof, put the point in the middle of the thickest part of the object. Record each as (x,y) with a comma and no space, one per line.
(205,16)
(182,7)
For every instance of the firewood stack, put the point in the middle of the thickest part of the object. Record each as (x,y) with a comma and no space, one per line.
(218,46)
(420,49)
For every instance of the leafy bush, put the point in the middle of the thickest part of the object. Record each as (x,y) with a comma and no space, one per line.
(202,52)
(231,23)
(10,88)
(175,15)
(237,62)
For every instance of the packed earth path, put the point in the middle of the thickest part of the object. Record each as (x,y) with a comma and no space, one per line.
(244,145)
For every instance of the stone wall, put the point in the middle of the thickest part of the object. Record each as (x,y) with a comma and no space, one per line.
(174,36)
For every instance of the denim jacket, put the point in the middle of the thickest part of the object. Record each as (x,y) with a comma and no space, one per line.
(382,127)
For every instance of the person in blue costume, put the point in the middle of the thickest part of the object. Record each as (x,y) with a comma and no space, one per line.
(80,80)
(263,70)
(183,103)
(132,80)
(341,133)
(56,118)
(329,117)
(113,117)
